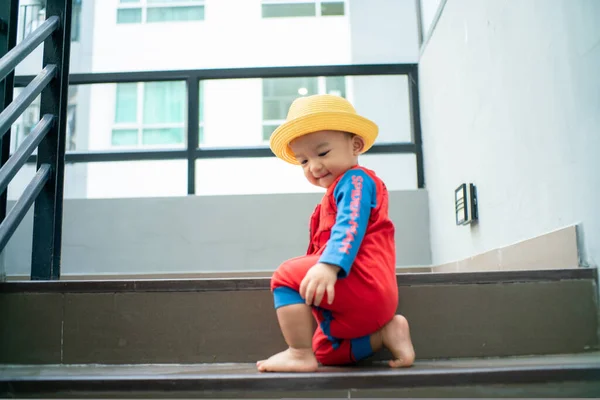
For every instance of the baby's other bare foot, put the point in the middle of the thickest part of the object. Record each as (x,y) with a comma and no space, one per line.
(290,360)
(396,337)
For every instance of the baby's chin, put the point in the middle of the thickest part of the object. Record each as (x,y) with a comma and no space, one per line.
(320,185)
(325,183)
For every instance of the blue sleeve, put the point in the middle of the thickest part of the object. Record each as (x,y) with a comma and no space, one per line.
(355,195)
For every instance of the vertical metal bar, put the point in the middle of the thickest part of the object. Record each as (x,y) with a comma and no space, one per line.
(9,14)
(415,122)
(193,129)
(419,14)
(25,9)
(48,211)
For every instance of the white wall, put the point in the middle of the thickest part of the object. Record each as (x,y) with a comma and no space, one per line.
(384,31)
(429,9)
(202,234)
(510,98)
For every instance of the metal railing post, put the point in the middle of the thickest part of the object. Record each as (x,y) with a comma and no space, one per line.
(415,122)
(193,129)
(9,12)
(48,210)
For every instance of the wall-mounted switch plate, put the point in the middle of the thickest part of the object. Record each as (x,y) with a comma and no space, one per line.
(465,204)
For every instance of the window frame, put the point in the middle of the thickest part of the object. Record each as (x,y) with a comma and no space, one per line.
(140,126)
(143,5)
(317,3)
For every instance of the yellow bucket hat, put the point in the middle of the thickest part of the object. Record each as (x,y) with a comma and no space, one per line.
(318,113)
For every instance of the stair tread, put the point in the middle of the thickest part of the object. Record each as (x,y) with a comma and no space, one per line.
(573,367)
(251,284)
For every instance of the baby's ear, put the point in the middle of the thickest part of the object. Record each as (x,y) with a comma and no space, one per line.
(358,144)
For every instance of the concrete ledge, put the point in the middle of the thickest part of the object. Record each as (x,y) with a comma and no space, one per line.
(553,250)
(237,284)
(185,275)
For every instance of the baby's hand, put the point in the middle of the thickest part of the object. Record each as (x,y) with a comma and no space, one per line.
(320,278)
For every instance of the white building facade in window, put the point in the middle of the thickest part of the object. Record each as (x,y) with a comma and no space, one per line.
(146,35)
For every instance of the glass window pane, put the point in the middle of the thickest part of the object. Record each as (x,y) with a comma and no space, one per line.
(19,182)
(235,114)
(124,137)
(272,110)
(233,111)
(333,8)
(398,171)
(162,136)
(165,14)
(129,15)
(279,93)
(77,102)
(290,86)
(201,112)
(336,85)
(289,10)
(201,101)
(129,1)
(130,179)
(114,179)
(238,176)
(23,126)
(76,21)
(90,124)
(268,130)
(126,103)
(164,102)
(384,99)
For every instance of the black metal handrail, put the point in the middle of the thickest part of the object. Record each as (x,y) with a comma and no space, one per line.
(17,213)
(9,62)
(25,98)
(232,73)
(45,189)
(19,158)
(203,153)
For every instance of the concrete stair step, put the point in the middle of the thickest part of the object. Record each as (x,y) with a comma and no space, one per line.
(452,315)
(573,375)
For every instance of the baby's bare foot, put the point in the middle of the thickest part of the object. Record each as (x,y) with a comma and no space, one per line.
(290,360)
(396,337)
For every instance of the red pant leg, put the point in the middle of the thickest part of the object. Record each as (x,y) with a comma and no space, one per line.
(340,351)
(291,272)
(359,308)
(329,354)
